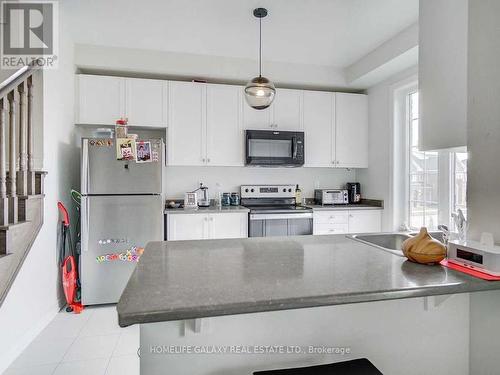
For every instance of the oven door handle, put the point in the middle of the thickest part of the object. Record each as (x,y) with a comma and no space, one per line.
(302,215)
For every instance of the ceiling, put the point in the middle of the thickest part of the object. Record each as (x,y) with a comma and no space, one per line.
(332,33)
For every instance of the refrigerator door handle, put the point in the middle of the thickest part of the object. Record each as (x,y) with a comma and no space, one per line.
(85,167)
(85,222)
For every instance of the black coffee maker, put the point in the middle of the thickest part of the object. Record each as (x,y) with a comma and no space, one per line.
(354,192)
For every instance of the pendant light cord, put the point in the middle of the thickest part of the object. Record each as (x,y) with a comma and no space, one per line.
(260,47)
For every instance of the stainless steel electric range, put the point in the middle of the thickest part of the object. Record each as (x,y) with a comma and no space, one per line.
(273,211)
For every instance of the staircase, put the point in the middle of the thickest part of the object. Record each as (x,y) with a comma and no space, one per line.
(21,186)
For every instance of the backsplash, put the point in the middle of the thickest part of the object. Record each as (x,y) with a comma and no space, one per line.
(178,180)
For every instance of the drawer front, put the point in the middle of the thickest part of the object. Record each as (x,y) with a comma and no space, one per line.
(320,229)
(331,217)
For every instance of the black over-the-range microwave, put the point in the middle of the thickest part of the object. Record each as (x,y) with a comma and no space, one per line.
(274,148)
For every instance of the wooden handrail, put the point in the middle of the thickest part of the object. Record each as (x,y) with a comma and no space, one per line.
(18,77)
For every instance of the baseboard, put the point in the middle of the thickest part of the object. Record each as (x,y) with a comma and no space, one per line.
(7,358)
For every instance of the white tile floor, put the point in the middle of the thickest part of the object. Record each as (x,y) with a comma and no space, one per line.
(86,343)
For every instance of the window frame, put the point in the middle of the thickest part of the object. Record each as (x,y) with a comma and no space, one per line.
(446,172)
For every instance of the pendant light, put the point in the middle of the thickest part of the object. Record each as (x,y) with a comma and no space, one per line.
(260,91)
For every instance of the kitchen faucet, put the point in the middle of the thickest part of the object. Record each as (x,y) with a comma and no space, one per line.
(461,224)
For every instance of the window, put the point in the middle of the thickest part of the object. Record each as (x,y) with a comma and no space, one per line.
(437,181)
(459,182)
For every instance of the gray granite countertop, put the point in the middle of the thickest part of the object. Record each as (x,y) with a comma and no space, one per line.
(205,210)
(343,207)
(195,279)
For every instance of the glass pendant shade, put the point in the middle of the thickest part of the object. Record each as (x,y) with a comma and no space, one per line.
(259,92)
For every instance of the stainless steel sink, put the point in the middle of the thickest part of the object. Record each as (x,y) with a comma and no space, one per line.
(390,242)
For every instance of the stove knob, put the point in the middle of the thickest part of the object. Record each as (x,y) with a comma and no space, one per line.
(246,190)
(252,190)
(284,190)
(289,190)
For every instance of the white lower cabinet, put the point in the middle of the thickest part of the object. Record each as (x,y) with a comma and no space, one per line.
(198,226)
(348,221)
(365,221)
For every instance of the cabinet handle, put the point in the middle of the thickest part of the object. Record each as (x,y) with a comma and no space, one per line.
(208,160)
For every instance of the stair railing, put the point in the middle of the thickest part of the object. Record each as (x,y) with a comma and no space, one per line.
(16,119)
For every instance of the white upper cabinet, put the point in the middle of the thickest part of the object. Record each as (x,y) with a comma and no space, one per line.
(351,130)
(256,118)
(146,102)
(287,110)
(187,123)
(224,127)
(206,122)
(442,76)
(101,99)
(319,116)
(285,113)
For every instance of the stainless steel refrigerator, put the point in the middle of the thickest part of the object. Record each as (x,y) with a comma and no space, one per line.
(122,210)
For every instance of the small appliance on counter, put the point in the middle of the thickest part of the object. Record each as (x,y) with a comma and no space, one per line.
(354,191)
(331,196)
(191,200)
(476,256)
(203,197)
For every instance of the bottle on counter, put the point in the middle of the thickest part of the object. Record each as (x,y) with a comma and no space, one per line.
(298,196)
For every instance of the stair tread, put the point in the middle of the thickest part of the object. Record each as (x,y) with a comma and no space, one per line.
(12,226)
(31,196)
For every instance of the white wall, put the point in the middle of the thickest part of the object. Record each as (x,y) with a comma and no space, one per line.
(443,73)
(35,295)
(188,66)
(178,180)
(483,172)
(377,180)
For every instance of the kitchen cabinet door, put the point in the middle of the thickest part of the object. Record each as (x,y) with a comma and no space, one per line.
(256,118)
(319,116)
(146,102)
(351,130)
(101,99)
(365,221)
(228,225)
(225,138)
(287,110)
(187,227)
(186,123)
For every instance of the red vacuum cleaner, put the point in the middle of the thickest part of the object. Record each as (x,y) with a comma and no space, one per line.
(68,263)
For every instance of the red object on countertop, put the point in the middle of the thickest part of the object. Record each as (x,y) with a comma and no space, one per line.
(468,271)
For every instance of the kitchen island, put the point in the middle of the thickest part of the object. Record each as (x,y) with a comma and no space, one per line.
(319,298)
